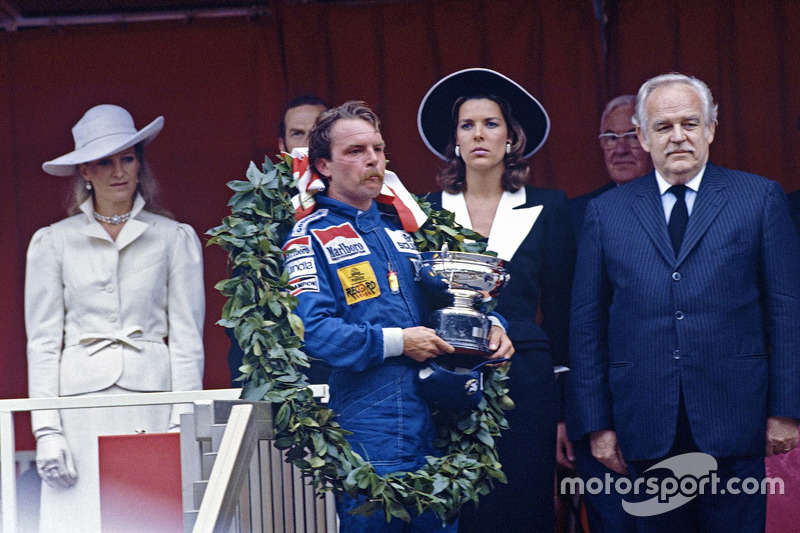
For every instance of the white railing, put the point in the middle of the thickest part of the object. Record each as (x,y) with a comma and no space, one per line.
(220,500)
(235,480)
(8,481)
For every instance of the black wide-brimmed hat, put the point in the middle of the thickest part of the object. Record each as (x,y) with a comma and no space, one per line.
(434,118)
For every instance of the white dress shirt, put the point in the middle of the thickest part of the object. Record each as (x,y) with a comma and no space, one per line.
(668,199)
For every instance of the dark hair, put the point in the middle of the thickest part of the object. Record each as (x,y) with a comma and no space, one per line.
(452,178)
(319,139)
(304,99)
(146,186)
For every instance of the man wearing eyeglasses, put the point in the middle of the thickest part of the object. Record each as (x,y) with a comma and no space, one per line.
(625,160)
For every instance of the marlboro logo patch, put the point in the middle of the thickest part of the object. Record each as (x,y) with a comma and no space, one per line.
(340,243)
(358,282)
(296,248)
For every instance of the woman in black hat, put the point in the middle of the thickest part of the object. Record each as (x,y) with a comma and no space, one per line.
(484,126)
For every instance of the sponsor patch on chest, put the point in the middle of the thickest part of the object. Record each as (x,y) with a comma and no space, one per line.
(298,259)
(358,282)
(301,285)
(340,243)
(402,241)
(302,225)
(296,248)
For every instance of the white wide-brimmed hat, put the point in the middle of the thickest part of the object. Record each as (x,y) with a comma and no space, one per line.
(103,131)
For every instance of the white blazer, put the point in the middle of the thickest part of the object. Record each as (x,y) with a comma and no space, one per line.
(98,311)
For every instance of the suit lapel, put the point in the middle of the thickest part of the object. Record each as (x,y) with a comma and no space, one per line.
(649,210)
(95,230)
(130,232)
(455,203)
(512,222)
(710,200)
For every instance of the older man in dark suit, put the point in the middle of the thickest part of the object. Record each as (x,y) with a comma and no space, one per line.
(685,328)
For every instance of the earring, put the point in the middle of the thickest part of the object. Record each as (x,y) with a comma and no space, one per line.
(458,151)
(88,185)
(508,147)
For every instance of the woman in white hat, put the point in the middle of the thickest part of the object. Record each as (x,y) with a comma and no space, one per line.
(484,126)
(114,304)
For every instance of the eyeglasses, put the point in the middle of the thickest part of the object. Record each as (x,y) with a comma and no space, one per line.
(610,140)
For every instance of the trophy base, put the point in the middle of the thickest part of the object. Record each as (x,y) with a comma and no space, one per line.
(466,330)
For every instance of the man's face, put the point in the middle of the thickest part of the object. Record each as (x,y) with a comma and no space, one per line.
(678,135)
(625,159)
(297,123)
(357,163)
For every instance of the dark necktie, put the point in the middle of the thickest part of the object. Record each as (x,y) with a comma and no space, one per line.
(678,218)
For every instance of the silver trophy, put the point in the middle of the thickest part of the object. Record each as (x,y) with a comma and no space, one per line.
(472,280)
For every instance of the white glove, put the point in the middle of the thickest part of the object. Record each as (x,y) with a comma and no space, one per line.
(54,461)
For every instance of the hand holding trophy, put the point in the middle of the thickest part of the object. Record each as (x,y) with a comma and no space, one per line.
(473,280)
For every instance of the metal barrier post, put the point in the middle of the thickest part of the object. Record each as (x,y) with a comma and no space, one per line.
(8,472)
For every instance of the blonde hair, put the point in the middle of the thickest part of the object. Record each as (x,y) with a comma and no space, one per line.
(146,186)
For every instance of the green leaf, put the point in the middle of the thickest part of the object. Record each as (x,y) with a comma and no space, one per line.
(240,186)
(255,393)
(316,462)
(284,443)
(440,483)
(275,307)
(282,416)
(296,324)
(398,511)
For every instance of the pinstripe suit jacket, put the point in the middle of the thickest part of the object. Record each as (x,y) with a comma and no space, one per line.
(721,321)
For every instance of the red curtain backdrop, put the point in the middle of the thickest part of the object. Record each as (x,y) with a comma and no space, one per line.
(221,85)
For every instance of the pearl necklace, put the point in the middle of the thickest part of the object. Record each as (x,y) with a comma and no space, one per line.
(113,219)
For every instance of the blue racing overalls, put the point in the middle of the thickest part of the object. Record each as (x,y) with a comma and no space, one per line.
(355,283)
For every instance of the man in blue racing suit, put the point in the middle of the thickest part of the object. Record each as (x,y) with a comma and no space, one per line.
(351,265)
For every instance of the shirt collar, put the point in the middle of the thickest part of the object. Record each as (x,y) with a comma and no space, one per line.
(369,217)
(693,184)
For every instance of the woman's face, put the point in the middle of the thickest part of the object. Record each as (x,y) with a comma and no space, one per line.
(481,134)
(113,178)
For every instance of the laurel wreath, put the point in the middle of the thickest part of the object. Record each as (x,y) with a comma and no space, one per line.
(260,309)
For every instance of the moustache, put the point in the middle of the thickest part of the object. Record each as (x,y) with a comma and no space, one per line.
(679,149)
(372,173)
